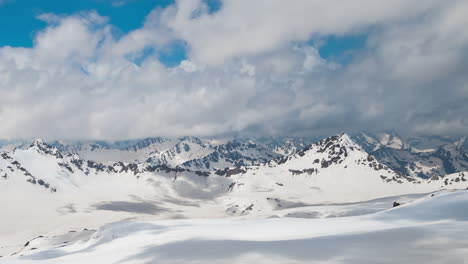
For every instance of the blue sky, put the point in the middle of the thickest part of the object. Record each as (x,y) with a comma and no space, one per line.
(340,48)
(18,25)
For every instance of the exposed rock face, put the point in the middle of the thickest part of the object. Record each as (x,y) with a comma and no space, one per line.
(43,148)
(233,154)
(9,166)
(423,157)
(447,159)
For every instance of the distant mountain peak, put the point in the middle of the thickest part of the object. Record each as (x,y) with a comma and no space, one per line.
(37,143)
(460,143)
(340,140)
(191,140)
(41,147)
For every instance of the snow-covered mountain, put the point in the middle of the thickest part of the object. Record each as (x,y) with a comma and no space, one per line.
(444,160)
(428,143)
(125,151)
(188,152)
(64,190)
(232,154)
(185,149)
(373,141)
(423,157)
(335,169)
(417,156)
(285,145)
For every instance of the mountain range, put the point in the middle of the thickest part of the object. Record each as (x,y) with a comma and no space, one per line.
(423,156)
(63,186)
(385,158)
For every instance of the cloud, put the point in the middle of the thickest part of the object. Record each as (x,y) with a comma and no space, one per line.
(119,3)
(250,69)
(6,1)
(246,27)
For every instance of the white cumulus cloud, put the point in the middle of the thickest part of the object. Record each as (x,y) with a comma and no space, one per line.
(250,69)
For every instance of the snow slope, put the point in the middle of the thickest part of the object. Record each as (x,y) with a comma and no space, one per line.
(66,192)
(429,230)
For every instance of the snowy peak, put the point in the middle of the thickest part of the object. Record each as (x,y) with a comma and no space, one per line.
(185,149)
(337,156)
(187,143)
(333,149)
(194,140)
(391,140)
(343,141)
(333,169)
(289,146)
(147,142)
(373,142)
(452,157)
(428,143)
(38,143)
(285,145)
(41,147)
(445,159)
(232,154)
(13,169)
(460,144)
